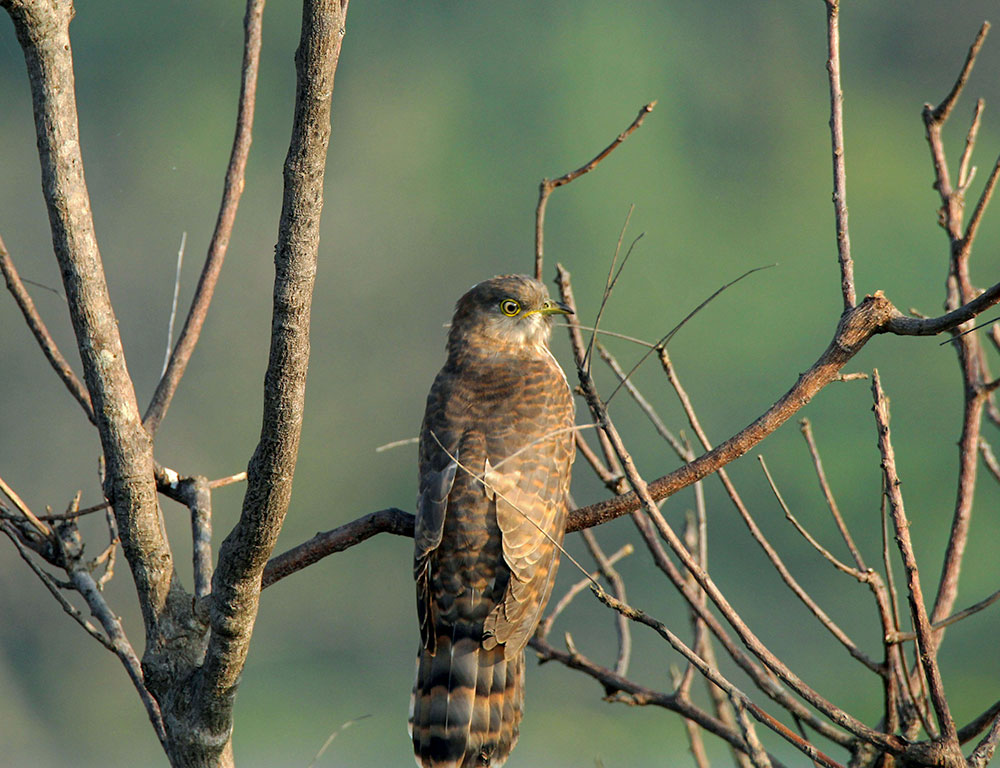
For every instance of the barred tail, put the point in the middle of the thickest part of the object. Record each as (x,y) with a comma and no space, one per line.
(466,704)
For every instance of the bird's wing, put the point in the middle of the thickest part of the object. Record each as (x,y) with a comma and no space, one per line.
(529,488)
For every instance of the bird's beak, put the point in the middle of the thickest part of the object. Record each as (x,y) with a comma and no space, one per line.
(554,308)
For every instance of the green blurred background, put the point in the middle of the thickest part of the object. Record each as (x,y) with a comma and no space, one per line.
(446,116)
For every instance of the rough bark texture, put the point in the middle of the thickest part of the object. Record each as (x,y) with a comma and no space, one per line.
(192,660)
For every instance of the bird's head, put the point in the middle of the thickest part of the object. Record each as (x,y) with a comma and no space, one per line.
(511,313)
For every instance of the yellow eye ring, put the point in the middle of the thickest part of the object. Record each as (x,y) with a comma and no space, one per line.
(510,307)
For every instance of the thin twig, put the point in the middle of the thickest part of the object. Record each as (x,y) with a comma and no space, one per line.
(620,689)
(609,285)
(50,585)
(964,175)
(545,626)
(806,428)
(665,339)
(839,167)
(18,502)
(804,596)
(827,555)
(940,113)
(219,244)
(42,335)
(755,749)
(173,304)
(712,674)
(902,637)
(332,736)
(984,200)
(606,566)
(547,185)
(683,453)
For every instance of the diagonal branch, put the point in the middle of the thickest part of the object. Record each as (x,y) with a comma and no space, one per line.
(232,191)
(547,185)
(42,28)
(41,333)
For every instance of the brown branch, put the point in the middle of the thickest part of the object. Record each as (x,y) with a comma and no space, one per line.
(712,674)
(547,185)
(244,552)
(232,191)
(940,113)
(806,427)
(392,520)
(749,639)
(984,200)
(964,175)
(973,729)
(42,29)
(618,688)
(41,333)
(983,752)
(900,637)
(915,594)
(832,627)
(13,534)
(839,167)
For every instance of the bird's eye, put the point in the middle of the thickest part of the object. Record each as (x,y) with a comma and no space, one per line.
(509,307)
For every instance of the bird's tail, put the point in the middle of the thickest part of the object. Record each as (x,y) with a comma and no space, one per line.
(466,704)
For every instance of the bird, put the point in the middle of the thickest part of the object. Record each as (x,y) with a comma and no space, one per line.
(495,454)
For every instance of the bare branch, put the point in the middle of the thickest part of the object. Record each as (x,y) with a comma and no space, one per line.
(547,185)
(244,552)
(915,594)
(839,167)
(964,175)
(43,32)
(219,244)
(618,688)
(900,637)
(53,589)
(713,675)
(806,428)
(940,113)
(983,752)
(42,335)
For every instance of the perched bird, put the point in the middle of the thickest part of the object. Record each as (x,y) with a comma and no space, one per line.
(496,449)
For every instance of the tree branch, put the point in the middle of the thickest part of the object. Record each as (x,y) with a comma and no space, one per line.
(243,554)
(901,524)
(547,185)
(42,28)
(232,191)
(42,335)
(839,166)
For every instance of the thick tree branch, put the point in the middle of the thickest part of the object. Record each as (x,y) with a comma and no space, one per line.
(244,553)
(42,28)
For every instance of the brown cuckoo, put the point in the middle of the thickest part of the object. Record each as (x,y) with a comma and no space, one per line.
(496,449)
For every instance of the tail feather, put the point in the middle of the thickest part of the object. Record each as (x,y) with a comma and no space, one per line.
(466,705)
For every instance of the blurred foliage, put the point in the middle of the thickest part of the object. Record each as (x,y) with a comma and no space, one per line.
(446,116)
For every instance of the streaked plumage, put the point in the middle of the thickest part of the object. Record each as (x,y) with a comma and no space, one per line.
(496,448)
